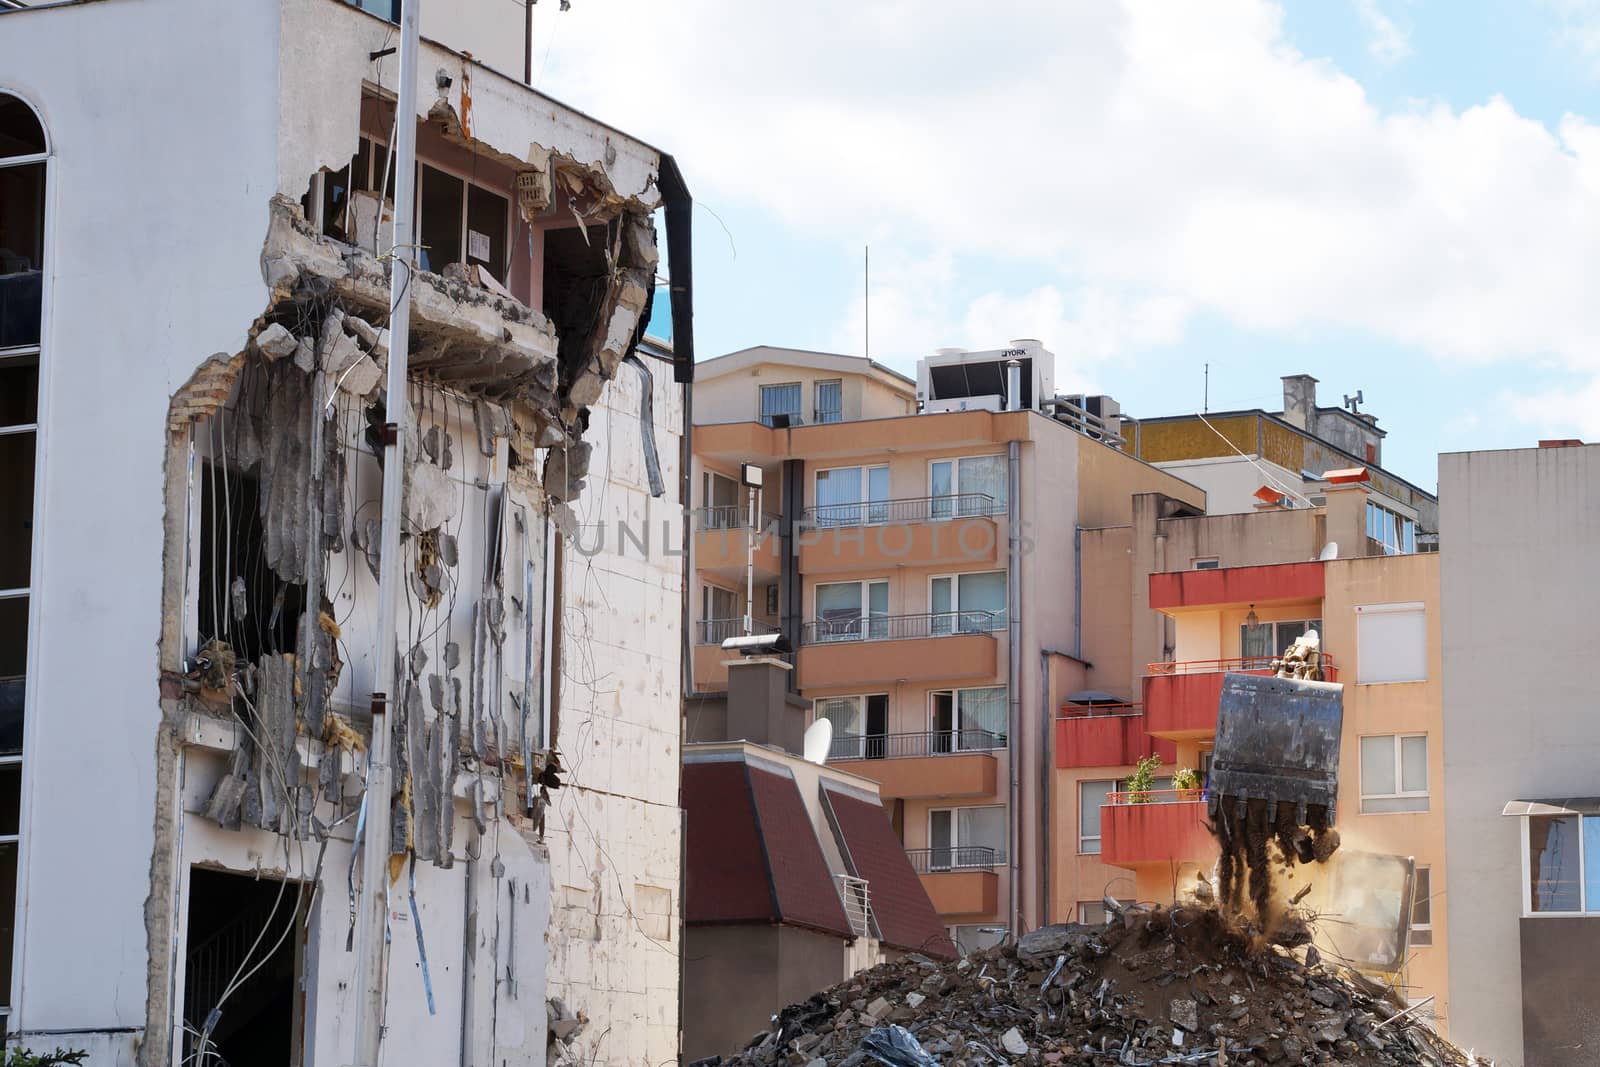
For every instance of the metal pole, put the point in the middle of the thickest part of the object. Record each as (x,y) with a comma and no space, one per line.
(750,565)
(374,913)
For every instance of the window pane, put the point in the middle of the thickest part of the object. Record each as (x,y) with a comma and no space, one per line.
(19,390)
(877,483)
(1553,862)
(939,831)
(1255,642)
(21,253)
(440,212)
(13,671)
(838,496)
(10,798)
(1413,765)
(878,608)
(986,475)
(486,230)
(1377,766)
(830,401)
(1591,864)
(845,714)
(982,593)
(941,483)
(941,603)
(780,400)
(982,714)
(1287,633)
(1091,796)
(982,828)
(1421,900)
(839,610)
(20,135)
(8,915)
(724,603)
(16,509)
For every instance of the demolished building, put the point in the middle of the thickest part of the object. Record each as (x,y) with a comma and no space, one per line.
(197,234)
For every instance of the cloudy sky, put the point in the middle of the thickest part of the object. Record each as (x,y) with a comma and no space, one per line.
(1396,196)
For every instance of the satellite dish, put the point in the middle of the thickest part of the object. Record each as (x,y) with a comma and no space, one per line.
(1329,551)
(819,738)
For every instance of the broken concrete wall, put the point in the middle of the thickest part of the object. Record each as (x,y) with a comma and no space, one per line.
(613,831)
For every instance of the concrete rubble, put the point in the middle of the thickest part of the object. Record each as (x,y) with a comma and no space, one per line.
(1152,986)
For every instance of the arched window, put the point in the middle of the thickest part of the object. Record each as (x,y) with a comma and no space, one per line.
(22,178)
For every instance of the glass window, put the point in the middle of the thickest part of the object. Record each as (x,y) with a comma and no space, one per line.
(967,603)
(975,485)
(488,215)
(439,215)
(852,496)
(1554,863)
(966,837)
(849,727)
(16,509)
(1091,797)
(21,251)
(830,401)
(981,718)
(839,611)
(1206,563)
(1422,908)
(1394,773)
(20,132)
(780,400)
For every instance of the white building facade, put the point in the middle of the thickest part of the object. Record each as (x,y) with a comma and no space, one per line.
(193,334)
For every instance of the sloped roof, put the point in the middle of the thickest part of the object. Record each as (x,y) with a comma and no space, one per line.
(900,905)
(753,855)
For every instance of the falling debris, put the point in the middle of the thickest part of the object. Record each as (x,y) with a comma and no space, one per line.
(1153,986)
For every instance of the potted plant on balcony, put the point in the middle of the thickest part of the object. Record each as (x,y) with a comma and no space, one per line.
(1187,783)
(1143,777)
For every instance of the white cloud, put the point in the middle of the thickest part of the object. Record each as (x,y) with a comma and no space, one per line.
(1578,28)
(1386,42)
(1171,158)
(1577,407)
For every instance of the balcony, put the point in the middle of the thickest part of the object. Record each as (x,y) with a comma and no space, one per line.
(1161,826)
(960,881)
(936,763)
(1180,699)
(951,530)
(709,659)
(1105,735)
(878,649)
(722,542)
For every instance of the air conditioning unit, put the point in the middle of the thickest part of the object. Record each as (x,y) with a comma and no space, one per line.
(954,379)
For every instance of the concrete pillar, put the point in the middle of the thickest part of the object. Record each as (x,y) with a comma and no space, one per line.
(761,709)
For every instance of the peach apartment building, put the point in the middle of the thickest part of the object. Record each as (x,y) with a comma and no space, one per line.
(920,555)
(1220,593)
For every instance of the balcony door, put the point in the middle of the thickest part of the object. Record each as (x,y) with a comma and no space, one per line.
(966,837)
(968,720)
(860,725)
(852,496)
(975,485)
(852,611)
(968,603)
(720,495)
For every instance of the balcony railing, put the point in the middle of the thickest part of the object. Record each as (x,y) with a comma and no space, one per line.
(941,860)
(1238,664)
(913,746)
(1156,796)
(900,627)
(1099,711)
(909,509)
(731,517)
(716,631)
(856,897)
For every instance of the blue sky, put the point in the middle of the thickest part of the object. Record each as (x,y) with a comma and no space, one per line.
(1396,196)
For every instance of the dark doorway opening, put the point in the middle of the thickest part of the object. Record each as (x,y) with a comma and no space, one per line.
(245,934)
(242,601)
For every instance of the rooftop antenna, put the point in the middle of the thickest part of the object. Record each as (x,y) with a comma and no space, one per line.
(866,298)
(1351,402)
(1205,397)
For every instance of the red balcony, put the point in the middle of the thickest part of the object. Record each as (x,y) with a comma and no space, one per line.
(1180,699)
(1105,735)
(1269,584)
(1156,827)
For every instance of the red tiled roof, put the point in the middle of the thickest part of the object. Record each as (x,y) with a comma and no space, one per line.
(753,855)
(806,892)
(727,876)
(906,918)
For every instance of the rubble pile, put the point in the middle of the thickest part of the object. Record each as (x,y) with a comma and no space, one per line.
(1178,986)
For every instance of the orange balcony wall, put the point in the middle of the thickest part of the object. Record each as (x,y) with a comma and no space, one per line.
(955,542)
(953,656)
(1112,736)
(722,552)
(957,894)
(1155,833)
(1237,585)
(956,774)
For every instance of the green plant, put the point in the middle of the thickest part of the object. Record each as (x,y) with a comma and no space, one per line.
(23,1057)
(1139,782)
(1185,779)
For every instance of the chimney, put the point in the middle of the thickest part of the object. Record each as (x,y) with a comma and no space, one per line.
(1346,510)
(761,709)
(1013,385)
(1300,401)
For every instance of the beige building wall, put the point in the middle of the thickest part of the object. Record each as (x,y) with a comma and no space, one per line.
(614,828)
(1394,708)
(728,388)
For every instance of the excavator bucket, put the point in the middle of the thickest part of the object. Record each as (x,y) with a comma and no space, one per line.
(1278,742)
